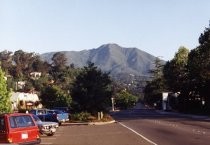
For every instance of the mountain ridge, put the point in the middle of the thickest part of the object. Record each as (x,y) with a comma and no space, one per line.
(111,58)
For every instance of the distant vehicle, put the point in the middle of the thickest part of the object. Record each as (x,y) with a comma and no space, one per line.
(18,128)
(50,115)
(64,109)
(47,128)
(61,116)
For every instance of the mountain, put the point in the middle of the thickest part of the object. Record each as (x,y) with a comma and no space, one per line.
(111,58)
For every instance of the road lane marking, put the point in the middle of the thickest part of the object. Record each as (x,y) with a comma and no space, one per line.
(138,134)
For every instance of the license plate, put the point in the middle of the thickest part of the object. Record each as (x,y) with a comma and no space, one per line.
(24,135)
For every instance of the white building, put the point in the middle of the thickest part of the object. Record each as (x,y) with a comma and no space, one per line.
(24,100)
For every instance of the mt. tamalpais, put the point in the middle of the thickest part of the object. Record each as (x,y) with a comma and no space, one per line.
(111,58)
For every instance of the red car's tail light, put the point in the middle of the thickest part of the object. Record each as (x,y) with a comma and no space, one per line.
(9,139)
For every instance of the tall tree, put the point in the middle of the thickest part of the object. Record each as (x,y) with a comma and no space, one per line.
(153,90)
(6,61)
(92,89)
(5,103)
(59,61)
(58,66)
(175,71)
(199,68)
(54,96)
(22,64)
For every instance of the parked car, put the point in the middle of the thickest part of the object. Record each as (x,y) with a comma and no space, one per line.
(50,115)
(64,109)
(61,116)
(47,128)
(18,128)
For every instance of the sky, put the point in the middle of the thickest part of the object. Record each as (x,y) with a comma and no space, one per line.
(158,27)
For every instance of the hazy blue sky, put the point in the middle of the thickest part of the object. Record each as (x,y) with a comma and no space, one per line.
(158,27)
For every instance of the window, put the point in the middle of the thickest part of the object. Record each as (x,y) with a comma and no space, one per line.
(12,122)
(41,112)
(33,111)
(21,121)
(50,112)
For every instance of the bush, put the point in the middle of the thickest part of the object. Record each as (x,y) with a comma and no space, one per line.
(82,116)
(125,100)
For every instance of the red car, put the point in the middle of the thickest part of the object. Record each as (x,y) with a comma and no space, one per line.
(18,128)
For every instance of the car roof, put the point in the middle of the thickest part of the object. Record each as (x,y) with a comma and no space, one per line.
(13,114)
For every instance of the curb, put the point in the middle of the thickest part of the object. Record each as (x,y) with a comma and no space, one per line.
(90,123)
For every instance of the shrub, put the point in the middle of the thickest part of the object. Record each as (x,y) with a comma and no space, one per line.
(125,100)
(82,116)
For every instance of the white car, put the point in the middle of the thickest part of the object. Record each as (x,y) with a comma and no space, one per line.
(47,128)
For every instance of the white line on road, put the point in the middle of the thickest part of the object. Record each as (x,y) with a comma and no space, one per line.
(138,134)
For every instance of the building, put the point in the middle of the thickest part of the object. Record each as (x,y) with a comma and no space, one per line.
(22,100)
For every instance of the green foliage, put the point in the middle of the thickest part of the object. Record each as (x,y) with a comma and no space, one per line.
(53,96)
(125,100)
(91,90)
(155,87)
(199,69)
(82,116)
(175,71)
(153,91)
(5,103)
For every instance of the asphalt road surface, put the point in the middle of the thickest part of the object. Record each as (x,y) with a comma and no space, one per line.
(166,128)
(137,126)
(110,134)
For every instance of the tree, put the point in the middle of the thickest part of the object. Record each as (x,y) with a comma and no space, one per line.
(125,100)
(5,104)
(54,96)
(58,66)
(23,64)
(175,71)
(154,88)
(199,68)
(59,60)
(177,79)
(6,61)
(92,90)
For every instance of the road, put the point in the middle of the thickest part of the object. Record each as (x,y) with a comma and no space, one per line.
(162,128)
(110,134)
(137,126)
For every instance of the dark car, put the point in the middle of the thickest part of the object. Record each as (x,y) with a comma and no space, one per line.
(51,115)
(47,128)
(18,128)
(64,109)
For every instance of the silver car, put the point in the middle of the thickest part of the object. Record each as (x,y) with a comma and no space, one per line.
(47,128)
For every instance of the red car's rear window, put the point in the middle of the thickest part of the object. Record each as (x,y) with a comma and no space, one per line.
(21,121)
